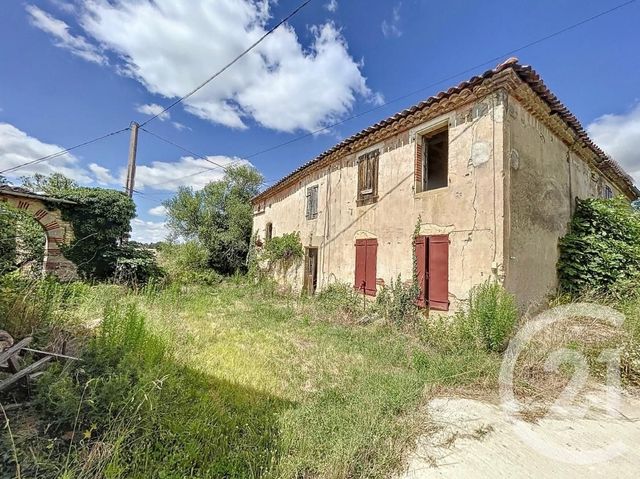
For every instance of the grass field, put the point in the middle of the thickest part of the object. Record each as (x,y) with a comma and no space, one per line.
(230,381)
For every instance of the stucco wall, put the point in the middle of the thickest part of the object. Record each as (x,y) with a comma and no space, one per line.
(469,209)
(544,177)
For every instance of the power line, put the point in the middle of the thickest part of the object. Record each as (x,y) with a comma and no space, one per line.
(192,153)
(228,65)
(451,77)
(62,152)
(419,90)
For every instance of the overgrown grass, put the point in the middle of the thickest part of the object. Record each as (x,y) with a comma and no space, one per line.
(228,381)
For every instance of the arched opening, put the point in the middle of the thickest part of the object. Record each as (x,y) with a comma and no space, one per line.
(23,242)
(269,231)
(53,234)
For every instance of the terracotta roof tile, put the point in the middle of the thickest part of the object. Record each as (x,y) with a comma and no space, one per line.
(527,74)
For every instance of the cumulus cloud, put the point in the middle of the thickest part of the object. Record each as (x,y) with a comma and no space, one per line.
(154,109)
(187,171)
(59,30)
(17,148)
(619,136)
(170,46)
(103,175)
(332,6)
(158,211)
(148,231)
(391,27)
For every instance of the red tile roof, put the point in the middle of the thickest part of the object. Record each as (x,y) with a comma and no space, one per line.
(527,75)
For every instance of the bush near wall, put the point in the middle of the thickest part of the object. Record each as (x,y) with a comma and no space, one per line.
(100,219)
(602,248)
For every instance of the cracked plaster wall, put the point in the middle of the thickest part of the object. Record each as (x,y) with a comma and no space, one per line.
(469,209)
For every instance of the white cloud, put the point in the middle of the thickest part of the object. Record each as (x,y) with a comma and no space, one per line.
(188,171)
(391,28)
(158,211)
(76,44)
(332,6)
(619,136)
(179,126)
(170,46)
(148,231)
(17,148)
(154,109)
(103,175)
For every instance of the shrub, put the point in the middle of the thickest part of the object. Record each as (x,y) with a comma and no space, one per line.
(136,266)
(100,219)
(283,251)
(602,247)
(187,263)
(492,315)
(397,303)
(8,234)
(341,298)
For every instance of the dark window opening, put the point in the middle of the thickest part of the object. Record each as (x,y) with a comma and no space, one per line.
(312,202)
(607,192)
(368,178)
(435,161)
(269,232)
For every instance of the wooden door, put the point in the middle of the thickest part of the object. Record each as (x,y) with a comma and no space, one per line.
(311,271)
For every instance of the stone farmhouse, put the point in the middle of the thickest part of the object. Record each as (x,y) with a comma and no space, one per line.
(488,170)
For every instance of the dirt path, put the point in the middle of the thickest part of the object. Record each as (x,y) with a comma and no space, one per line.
(477,439)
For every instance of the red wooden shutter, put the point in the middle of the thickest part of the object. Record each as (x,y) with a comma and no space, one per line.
(370,270)
(361,261)
(438,279)
(421,270)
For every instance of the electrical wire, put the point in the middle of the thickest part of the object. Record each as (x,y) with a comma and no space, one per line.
(228,65)
(443,80)
(62,152)
(419,90)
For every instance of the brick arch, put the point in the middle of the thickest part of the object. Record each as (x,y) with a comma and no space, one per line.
(57,231)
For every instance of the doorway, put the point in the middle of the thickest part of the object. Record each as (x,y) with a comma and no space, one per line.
(311,271)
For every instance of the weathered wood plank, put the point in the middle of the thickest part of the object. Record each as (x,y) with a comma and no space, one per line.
(46,353)
(24,372)
(15,349)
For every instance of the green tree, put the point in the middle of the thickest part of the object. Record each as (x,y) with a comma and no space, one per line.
(219,216)
(7,238)
(49,185)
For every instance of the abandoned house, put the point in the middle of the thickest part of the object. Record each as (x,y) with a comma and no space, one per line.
(486,173)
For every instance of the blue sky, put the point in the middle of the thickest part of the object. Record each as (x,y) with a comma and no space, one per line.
(72,71)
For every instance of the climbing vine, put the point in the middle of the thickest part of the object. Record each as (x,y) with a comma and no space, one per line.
(283,251)
(602,247)
(100,219)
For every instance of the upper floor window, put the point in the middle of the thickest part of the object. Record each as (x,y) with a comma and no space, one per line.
(269,232)
(312,202)
(607,192)
(433,160)
(368,178)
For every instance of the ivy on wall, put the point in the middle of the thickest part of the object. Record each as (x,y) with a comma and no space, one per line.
(283,251)
(602,247)
(100,219)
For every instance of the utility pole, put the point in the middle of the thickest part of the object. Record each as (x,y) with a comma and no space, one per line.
(131,167)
